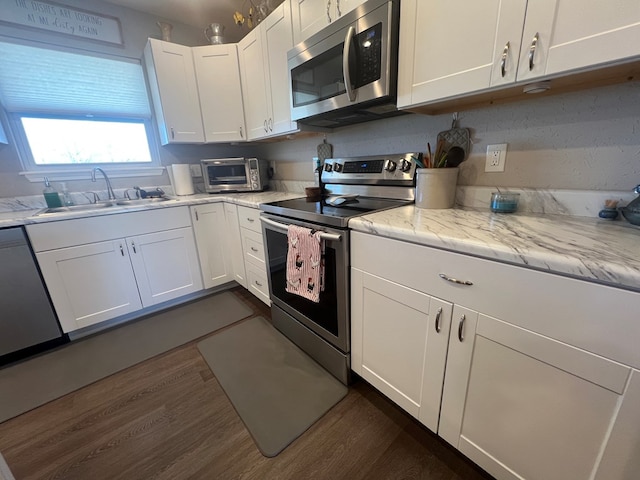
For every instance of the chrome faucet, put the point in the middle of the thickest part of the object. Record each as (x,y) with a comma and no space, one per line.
(112,196)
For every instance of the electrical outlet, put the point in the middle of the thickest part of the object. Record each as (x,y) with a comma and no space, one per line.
(496,157)
(196,170)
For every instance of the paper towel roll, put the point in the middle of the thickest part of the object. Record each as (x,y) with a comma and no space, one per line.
(180,176)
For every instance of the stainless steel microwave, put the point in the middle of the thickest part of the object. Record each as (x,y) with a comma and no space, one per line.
(347,72)
(237,174)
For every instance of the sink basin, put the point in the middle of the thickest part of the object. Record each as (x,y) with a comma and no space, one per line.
(142,201)
(77,208)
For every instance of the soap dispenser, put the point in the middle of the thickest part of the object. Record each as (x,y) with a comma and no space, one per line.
(51,195)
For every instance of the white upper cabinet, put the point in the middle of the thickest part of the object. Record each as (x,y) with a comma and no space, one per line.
(577,34)
(311,16)
(263,67)
(500,43)
(218,76)
(174,91)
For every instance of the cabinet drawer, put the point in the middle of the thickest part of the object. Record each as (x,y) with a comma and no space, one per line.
(258,283)
(253,247)
(249,218)
(580,313)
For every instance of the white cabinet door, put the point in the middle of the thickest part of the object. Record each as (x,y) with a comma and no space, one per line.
(607,32)
(399,340)
(218,75)
(210,226)
(278,40)
(174,91)
(165,265)
(436,64)
(90,283)
(234,240)
(522,405)
(309,17)
(254,86)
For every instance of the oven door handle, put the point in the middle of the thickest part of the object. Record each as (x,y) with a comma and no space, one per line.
(281,227)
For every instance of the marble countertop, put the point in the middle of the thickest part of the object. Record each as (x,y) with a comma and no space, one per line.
(591,249)
(250,199)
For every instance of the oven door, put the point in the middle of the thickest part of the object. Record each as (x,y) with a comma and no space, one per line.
(330,317)
(347,67)
(228,174)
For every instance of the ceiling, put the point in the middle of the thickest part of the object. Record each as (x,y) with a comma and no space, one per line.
(197,13)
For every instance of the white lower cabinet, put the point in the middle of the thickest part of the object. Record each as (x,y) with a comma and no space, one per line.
(522,404)
(253,252)
(94,274)
(234,240)
(209,226)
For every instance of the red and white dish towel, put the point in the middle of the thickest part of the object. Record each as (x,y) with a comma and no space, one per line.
(305,263)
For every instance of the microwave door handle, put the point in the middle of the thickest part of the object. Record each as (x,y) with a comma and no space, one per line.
(345,63)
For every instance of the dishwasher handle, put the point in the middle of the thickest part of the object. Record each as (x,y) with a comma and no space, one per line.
(281,227)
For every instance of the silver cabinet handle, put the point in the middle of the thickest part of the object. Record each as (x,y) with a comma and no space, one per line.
(270,123)
(250,220)
(338,8)
(121,250)
(345,64)
(461,328)
(258,283)
(196,213)
(173,134)
(133,245)
(455,280)
(266,130)
(532,50)
(329,11)
(438,318)
(241,134)
(503,61)
(254,249)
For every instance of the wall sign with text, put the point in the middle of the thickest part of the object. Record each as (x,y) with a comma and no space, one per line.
(59,18)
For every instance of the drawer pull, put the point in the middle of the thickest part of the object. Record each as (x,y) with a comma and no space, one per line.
(258,283)
(438,318)
(251,220)
(455,280)
(461,328)
(254,249)
(121,250)
(197,218)
(133,245)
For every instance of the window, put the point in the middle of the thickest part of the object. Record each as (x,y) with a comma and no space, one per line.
(68,109)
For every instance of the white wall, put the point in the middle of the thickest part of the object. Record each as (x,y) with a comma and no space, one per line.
(584,140)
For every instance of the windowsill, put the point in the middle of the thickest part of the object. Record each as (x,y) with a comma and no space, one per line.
(60,174)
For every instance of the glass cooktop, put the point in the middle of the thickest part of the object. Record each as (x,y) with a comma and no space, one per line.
(319,211)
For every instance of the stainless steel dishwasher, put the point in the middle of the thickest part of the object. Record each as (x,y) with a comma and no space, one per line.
(28,323)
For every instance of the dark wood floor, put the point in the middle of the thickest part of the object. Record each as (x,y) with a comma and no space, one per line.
(168,418)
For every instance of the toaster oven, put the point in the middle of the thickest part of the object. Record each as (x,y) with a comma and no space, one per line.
(239,174)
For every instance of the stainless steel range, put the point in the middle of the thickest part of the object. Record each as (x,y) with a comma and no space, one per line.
(353,186)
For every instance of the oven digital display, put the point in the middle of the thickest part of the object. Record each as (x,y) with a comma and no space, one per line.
(367,166)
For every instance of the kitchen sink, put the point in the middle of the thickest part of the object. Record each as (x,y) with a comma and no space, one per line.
(102,205)
(141,201)
(77,208)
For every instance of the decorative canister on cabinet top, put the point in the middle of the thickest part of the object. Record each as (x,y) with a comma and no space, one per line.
(436,187)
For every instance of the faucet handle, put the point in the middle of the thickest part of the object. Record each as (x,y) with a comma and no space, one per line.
(95,197)
(135,189)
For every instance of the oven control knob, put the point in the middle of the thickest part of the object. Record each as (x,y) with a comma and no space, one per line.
(327,167)
(405,165)
(391,166)
(337,167)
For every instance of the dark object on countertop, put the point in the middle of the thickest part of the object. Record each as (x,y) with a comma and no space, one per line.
(608,213)
(155,193)
(631,215)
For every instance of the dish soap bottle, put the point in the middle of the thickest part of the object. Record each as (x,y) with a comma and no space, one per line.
(66,195)
(51,195)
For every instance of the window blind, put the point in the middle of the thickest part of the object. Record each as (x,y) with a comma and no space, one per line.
(41,80)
